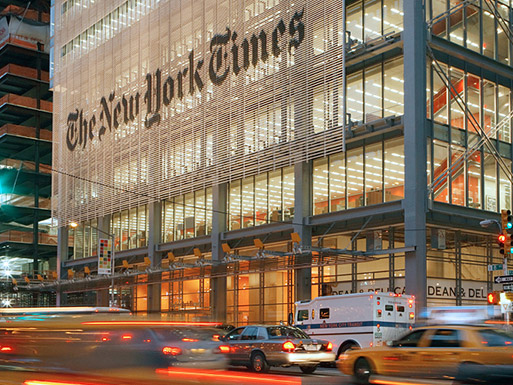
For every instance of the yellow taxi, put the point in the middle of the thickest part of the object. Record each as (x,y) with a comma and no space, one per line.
(459,352)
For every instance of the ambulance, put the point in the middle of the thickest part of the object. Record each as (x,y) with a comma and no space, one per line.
(356,320)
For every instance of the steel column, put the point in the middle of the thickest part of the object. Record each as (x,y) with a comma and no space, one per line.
(415,149)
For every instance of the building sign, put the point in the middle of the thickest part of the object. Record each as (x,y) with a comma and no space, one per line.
(105,256)
(436,288)
(229,53)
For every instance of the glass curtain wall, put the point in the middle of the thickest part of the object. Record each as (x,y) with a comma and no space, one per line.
(85,239)
(372,93)
(473,25)
(187,216)
(473,181)
(131,228)
(371,174)
(261,199)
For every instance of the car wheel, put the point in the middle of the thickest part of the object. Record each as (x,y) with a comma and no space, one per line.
(362,371)
(259,363)
(344,348)
(308,369)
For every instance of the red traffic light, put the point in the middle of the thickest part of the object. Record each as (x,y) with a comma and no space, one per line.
(493,298)
(501,238)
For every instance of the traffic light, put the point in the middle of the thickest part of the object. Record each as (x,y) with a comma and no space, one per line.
(501,240)
(493,298)
(506,220)
(508,244)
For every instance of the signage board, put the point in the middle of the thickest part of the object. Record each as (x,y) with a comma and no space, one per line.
(104,256)
(508,287)
(495,267)
(504,279)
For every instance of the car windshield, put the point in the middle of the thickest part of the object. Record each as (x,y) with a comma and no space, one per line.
(285,332)
(496,337)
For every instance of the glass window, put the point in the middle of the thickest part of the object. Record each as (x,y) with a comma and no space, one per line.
(502,37)
(354,97)
(288,193)
(394,89)
(234,334)
(394,170)
(440,97)
(189,215)
(275,196)
(324,313)
(488,106)
(372,19)
(440,192)
(458,176)
(209,211)
(199,212)
(489,33)
(458,85)
(125,231)
(179,216)
(505,187)
(373,94)
(490,182)
(302,315)
(132,241)
(320,186)
(504,131)
(337,182)
(410,340)
(354,21)
(439,7)
(167,220)
(248,199)
(474,180)
(445,338)
(374,173)
(493,338)
(473,29)
(355,178)
(261,199)
(235,205)
(392,16)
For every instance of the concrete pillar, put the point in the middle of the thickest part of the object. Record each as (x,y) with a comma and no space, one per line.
(62,256)
(302,210)
(415,199)
(218,284)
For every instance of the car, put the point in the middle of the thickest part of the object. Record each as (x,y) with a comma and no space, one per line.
(109,345)
(261,346)
(459,352)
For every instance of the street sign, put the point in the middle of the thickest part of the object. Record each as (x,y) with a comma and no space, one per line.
(495,267)
(508,287)
(504,279)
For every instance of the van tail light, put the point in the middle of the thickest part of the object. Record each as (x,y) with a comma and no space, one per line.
(329,347)
(410,303)
(412,315)
(126,337)
(171,351)
(288,347)
(223,349)
(190,340)
(216,337)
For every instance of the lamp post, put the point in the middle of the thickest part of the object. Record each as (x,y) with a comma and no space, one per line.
(113,260)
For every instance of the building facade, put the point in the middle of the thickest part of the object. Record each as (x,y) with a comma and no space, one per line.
(28,243)
(205,140)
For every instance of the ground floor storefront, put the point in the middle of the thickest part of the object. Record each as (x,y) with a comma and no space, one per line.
(255,285)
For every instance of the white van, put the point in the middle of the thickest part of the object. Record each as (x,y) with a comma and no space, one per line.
(362,319)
